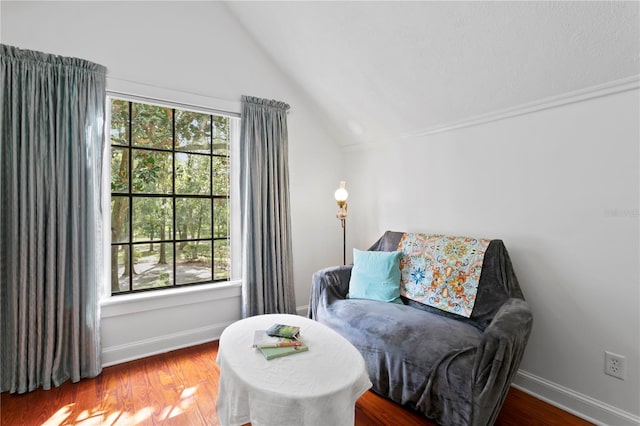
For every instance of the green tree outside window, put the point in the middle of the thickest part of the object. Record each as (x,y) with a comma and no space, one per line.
(169,197)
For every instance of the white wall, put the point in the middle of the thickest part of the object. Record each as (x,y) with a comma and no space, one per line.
(560,187)
(196,49)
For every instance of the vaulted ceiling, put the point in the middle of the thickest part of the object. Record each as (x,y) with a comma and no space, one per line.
(381,70)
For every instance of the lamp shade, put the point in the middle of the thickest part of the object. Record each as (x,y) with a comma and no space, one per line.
(341,193)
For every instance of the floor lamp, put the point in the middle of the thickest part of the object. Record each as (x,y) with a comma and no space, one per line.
(341,198)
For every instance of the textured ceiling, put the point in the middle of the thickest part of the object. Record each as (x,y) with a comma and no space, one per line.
(379,70)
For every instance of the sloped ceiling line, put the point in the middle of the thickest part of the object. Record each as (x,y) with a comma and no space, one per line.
(610,88)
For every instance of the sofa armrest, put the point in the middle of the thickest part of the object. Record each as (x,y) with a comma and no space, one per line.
(332,282)
(498,358)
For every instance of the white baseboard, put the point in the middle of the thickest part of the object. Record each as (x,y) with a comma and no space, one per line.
(302,310)
(583,406)
(157,345)
(169,342)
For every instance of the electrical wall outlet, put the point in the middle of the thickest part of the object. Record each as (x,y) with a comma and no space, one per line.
(614,365)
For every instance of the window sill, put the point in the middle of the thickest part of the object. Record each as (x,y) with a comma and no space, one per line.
(160,299)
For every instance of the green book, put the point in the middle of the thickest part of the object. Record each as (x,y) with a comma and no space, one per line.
(271,353)
(283,330)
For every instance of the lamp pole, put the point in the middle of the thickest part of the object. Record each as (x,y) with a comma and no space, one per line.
(341,195)
(344,241)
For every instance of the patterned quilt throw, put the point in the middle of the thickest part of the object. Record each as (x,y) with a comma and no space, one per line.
(441,271)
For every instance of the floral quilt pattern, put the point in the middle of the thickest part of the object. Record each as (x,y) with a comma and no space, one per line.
(441,271)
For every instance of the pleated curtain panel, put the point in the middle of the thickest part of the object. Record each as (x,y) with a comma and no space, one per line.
(52,128)
(267,260)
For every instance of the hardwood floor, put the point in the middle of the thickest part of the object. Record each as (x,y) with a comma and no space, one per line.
(180,388)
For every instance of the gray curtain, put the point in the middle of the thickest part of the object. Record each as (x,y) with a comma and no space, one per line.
(267,264)
(52,124)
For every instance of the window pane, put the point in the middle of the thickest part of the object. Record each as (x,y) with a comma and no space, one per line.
(170,211)
(119,170)
(119,219)
(221,217)
(152,172)
(220,176)
(119,268)
(193,218)
(221,262)
(152,218)
(151,126)
(119,131)
(221,135)
(153,265)
(193,174)
(193,132)
(193,262)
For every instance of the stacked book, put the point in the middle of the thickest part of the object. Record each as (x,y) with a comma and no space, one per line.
(279,340)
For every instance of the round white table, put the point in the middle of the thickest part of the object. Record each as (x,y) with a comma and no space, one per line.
(316,387)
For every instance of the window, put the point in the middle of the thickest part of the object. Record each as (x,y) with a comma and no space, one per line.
(170,204)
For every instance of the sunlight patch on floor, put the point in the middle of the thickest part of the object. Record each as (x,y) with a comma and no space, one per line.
(187,398)
(59,416)
(96,417)
(86,418)
(142,415)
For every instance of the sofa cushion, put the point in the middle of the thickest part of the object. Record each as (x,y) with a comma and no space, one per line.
(375,276)
(372,325)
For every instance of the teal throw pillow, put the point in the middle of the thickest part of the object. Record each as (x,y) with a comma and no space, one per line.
(375,275)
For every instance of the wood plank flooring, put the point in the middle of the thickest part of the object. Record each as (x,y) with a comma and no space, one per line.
(181,387)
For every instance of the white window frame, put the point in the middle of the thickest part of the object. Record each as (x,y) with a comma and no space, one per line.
(136,92)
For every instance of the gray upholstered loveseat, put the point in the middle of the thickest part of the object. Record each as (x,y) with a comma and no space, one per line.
(454,370)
